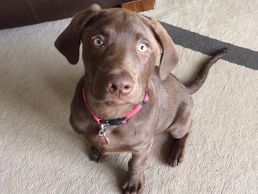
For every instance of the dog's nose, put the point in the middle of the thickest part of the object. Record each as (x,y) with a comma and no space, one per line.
(120,84)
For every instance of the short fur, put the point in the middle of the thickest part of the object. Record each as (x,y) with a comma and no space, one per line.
(170,106)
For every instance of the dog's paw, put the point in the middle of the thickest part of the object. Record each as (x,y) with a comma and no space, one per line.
(134,185)
(177,155)
(95,155)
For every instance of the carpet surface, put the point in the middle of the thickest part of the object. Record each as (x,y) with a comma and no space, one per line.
(40,153)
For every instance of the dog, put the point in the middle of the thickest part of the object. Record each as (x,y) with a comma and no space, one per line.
(127,95)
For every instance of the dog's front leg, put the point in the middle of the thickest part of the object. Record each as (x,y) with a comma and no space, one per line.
(136,166)
(96,155)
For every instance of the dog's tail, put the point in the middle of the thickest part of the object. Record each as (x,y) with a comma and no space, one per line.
(195,85)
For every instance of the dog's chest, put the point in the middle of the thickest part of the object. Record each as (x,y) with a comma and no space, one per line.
(117,139)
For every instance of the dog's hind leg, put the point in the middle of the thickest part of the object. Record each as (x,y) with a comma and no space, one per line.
(177,151)
(179,132)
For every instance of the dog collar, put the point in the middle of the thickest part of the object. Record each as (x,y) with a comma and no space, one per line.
(118,121)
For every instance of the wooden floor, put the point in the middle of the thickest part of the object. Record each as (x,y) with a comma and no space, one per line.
(139,5)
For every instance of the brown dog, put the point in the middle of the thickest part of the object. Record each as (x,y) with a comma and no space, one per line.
(123,101)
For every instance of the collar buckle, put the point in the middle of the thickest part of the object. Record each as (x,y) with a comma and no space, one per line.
(114,122)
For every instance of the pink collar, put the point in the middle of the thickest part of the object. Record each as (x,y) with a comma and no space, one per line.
(118,121)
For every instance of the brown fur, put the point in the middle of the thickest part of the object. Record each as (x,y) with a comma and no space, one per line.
(170,106)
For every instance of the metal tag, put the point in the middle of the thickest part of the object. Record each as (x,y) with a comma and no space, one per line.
(102,135)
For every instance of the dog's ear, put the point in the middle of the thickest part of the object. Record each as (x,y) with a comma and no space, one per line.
(68,43)
(169,56)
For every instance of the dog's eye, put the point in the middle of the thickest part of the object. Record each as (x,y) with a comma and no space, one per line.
(142,47)
(97,41)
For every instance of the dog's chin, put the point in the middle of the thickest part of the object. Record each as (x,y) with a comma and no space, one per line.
(116,102)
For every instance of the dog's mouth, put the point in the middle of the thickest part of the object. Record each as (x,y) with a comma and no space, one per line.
(101,96)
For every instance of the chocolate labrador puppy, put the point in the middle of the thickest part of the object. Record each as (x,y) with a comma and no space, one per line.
(123,100)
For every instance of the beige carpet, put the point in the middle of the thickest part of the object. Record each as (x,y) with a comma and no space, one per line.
(39,152)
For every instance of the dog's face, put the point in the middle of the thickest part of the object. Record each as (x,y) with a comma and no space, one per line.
(120,50)
(119,53)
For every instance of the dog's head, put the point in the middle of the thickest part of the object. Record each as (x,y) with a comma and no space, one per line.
(120,51)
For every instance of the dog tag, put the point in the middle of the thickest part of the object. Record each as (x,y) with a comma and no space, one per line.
(102,135)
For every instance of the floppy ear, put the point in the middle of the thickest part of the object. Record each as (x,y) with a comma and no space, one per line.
(169,57)
(68,42)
